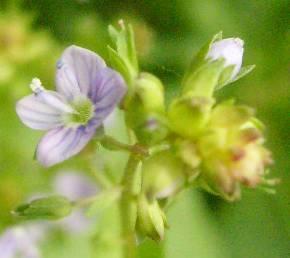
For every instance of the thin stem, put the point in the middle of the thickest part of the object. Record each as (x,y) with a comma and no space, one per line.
(128,205)
(85,201)
(113,144)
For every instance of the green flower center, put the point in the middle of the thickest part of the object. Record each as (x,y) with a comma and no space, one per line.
(84,111)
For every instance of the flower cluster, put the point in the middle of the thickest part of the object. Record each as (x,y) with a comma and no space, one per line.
(192,141)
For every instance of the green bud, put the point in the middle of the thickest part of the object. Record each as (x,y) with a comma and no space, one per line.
(49,208)
(151,220)
(153,130)
(162,175)
(217,64)
(151,92)
(145,111)
(189,115)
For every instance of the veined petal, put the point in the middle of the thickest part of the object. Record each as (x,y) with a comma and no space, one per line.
(108,90)
(42,111)
(76,70)
(62,143)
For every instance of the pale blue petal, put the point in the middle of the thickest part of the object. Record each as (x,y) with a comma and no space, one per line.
(42,111)
(76,71)
(61,144)
(108,91)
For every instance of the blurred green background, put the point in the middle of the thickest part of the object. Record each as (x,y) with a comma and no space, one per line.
(33,33)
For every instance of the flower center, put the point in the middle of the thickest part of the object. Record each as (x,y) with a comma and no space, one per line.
(84,111)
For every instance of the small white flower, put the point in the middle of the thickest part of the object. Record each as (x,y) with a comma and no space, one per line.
(231,49)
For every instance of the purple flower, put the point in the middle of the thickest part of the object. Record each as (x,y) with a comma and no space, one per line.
(20,241)
(87,92)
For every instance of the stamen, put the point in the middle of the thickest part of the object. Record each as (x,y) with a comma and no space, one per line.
(36,85)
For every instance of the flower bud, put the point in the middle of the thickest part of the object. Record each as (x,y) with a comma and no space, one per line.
(145,111)
(189,115)
(50,208)
(231,50)
(217,64)
(151,92)
(151,220)
(162,175)
(153,130)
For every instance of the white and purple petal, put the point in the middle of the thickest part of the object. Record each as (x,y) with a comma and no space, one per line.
(76,71)
(42,111)
(62,143)
(108,90)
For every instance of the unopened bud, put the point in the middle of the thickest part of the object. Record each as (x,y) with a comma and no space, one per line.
(189,115)
(49,208)
(231,50)
(151,220)
(162,175)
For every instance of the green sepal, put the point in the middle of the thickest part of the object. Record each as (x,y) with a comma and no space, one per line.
(245,70)
(200,57)
(205,79)
(225,77)
(48,208)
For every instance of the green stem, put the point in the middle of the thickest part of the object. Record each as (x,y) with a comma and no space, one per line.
(113,144)
(128,206)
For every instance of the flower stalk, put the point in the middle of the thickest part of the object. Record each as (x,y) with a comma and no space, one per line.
(131,183)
